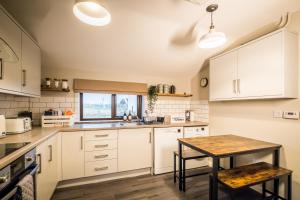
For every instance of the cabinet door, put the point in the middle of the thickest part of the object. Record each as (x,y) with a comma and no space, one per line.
(43,177)
(134,149)
(10,71)
(31,67)
(260,68)
(72,155)
(223,75)
(53,150)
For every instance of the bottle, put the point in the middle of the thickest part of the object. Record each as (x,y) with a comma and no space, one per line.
(124,116)
(129,116)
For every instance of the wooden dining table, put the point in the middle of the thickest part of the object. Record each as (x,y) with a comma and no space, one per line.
(228,146)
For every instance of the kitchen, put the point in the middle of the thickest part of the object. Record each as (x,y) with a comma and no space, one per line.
(105,109)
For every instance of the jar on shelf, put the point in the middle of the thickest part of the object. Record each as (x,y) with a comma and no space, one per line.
(48,82)
(64,84)
(56,83)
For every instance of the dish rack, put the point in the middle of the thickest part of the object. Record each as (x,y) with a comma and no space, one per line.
(57,121)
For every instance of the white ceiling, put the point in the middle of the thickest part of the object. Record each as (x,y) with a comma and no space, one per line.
(157,37)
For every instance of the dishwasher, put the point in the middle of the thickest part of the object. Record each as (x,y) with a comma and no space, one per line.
(165,143)
(197,131)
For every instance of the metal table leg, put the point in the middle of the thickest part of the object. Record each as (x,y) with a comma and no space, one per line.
(232,162)
(276,160)
(180,165)
(214,186)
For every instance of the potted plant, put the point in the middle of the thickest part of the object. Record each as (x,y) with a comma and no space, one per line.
(152,97)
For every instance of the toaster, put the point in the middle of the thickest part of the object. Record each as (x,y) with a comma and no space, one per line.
(18,125)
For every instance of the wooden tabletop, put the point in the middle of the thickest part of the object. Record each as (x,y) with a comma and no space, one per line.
(226,145)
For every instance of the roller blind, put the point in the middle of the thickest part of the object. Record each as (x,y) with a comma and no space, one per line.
(85,85)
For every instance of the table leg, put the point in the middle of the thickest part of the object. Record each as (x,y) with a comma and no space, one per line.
(214,185)
(180,164)
(276,160)
(232,162)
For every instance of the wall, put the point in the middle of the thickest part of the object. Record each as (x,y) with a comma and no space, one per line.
(254,119)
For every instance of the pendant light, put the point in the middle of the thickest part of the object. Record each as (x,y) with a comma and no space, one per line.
(91,12)
(212,39)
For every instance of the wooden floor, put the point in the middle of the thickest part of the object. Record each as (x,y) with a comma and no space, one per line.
(160,187)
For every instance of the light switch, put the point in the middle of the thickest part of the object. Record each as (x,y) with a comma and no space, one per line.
(277,114)
(291,114)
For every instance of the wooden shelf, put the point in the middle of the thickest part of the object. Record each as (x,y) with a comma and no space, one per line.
(54,90)
(174,95)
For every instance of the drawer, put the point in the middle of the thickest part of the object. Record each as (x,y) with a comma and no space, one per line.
(101,135)
(100,145)
(101,167)
(101,155)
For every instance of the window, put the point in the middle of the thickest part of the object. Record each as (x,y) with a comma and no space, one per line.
(100,106)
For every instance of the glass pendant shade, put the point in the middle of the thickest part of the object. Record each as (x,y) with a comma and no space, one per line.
(91,12)
(212,39)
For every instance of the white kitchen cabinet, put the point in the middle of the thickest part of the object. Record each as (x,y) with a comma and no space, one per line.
(265,68)
(134,149)
(48,175)
(223,74)
(31,67)
(10,71)
(72,155)
(165,143)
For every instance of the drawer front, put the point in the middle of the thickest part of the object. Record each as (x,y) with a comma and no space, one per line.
(101,135)
(101,155)
(101,167)
(100,145)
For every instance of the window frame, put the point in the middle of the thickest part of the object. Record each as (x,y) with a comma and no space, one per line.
(113,108)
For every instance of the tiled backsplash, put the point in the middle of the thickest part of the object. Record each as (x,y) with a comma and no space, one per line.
(10,105)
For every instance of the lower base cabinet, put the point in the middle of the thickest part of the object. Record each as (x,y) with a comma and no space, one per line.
(48,158)
(134,149)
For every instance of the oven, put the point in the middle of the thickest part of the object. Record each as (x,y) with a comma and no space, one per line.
(12,174)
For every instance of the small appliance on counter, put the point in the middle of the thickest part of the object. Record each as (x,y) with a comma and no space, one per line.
(18,125)
(2,126)
(189,115)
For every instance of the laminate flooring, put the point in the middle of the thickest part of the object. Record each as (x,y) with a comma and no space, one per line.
(159,187)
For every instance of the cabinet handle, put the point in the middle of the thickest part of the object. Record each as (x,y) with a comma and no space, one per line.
(101,146)
(81,142)
(150,138)
(234,86)
(101,156)
(1,69)
(100,168)
(50,153)
(238,86)
(98,136)
(24,77)
(39,158)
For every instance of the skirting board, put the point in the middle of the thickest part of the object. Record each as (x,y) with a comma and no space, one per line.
(102,178)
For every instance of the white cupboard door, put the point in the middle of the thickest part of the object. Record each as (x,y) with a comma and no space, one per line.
(260,71)
(31,67)
(10,71)
(223,75)
(72,155)
(53,173)
(134,149)
(43,177)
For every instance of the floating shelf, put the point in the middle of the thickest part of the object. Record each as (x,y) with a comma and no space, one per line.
(54,90)
(174,95)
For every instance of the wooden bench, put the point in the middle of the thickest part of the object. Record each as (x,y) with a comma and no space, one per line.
(254,174)
(186,155)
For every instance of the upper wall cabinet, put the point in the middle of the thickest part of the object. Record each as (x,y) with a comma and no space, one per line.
(20,59)
(10,55)
(264,68)
(31,67)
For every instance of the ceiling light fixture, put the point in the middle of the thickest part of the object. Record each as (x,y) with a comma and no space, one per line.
(91,12)
(212,39)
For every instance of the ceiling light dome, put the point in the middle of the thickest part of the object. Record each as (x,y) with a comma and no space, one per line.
(91,12)
(212,39)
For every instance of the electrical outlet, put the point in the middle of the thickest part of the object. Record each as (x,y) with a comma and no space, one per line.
(277,114)
(291,114)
